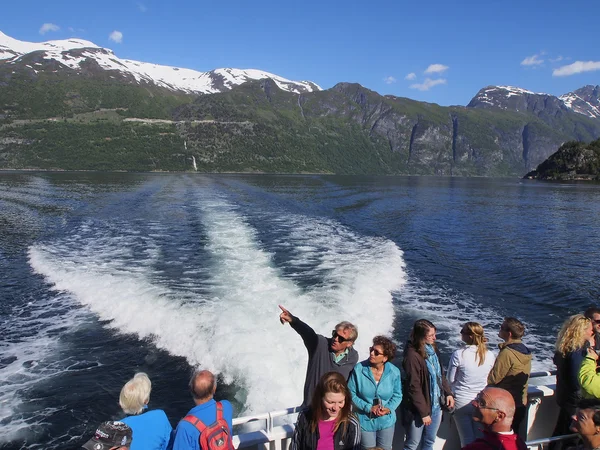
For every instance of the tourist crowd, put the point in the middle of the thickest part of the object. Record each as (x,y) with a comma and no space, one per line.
(350,404)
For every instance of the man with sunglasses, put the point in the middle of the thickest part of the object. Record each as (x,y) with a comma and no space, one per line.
(494,409)
(593,313)
(334,354)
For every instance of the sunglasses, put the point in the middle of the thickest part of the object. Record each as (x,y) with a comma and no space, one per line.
(480,403)
(464,331)
(336,335)
(597,322)
(375,351)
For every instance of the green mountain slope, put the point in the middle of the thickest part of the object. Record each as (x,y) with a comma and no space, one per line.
(572,161)
(62,121)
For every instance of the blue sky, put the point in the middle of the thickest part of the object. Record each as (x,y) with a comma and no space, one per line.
(547,46)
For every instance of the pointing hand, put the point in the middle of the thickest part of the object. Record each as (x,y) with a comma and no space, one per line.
(285,316)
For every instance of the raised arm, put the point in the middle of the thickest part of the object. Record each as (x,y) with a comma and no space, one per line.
(308,335)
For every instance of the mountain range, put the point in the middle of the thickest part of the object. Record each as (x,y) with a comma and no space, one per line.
(71,104)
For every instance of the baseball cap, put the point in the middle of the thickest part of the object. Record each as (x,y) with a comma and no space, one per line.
(108,435)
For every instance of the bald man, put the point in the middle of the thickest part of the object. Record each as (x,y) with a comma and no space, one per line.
(495,409)
(203,386)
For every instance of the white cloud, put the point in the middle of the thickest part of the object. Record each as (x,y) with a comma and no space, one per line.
(142,7)
(411,76)
(575,68)
(116,36)
(428,84)
(557,59)
(389,80)
(48,27)
(436,68)
(533,60)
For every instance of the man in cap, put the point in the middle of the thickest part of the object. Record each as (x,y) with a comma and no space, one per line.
(334,354)
(110,436)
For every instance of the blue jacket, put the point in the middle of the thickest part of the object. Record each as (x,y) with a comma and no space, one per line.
(151,430)
(186,434)
(364,390)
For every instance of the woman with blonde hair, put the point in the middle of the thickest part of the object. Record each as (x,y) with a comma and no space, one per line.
(329,423)
(467,373)
(570,352)
(151,429)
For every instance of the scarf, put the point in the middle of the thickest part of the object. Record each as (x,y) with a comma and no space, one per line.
(435,375)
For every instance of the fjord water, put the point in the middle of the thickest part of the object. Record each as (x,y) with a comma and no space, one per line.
(103,275)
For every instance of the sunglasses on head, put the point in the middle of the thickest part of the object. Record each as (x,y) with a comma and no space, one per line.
(340,338)
(375,351)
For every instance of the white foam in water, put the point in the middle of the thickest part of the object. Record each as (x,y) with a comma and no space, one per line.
(234,330)
(31,342)
(449,310)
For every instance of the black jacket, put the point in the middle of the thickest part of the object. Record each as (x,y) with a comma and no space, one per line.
(347,438)
(568,389)
(416,398)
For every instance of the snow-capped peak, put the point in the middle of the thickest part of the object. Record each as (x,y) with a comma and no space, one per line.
(512,90)
(9,47)
(585,100)
(72,53)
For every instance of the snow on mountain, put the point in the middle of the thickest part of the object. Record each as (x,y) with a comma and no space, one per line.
(585,100)
(72,53)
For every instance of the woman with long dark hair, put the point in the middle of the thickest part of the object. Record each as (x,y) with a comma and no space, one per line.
(425,387)
(467,374)
(329,423)
(376,389)
(569,354)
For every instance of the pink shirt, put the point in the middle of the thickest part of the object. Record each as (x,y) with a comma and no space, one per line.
(325,434)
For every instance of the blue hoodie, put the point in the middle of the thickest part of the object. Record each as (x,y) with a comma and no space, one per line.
(364,390)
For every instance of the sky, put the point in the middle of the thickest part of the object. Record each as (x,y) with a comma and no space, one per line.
(430,50)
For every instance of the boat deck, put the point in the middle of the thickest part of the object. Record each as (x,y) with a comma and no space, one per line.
(274,430)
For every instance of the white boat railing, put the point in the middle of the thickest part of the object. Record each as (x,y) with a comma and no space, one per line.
(274,430)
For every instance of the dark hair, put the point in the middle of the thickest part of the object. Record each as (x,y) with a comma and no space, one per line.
(589,313)
(389,348)
(514,326)
(336,383)
(591,403)
(417,336)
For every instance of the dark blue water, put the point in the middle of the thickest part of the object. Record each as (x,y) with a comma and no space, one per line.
(103,275)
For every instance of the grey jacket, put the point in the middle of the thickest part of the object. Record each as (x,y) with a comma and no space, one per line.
(320,358)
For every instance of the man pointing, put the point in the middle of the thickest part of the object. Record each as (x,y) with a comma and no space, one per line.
(334,354)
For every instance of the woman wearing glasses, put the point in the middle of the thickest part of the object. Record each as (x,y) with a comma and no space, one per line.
(467,373)
(376,389)
(570,352)
(425,388)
